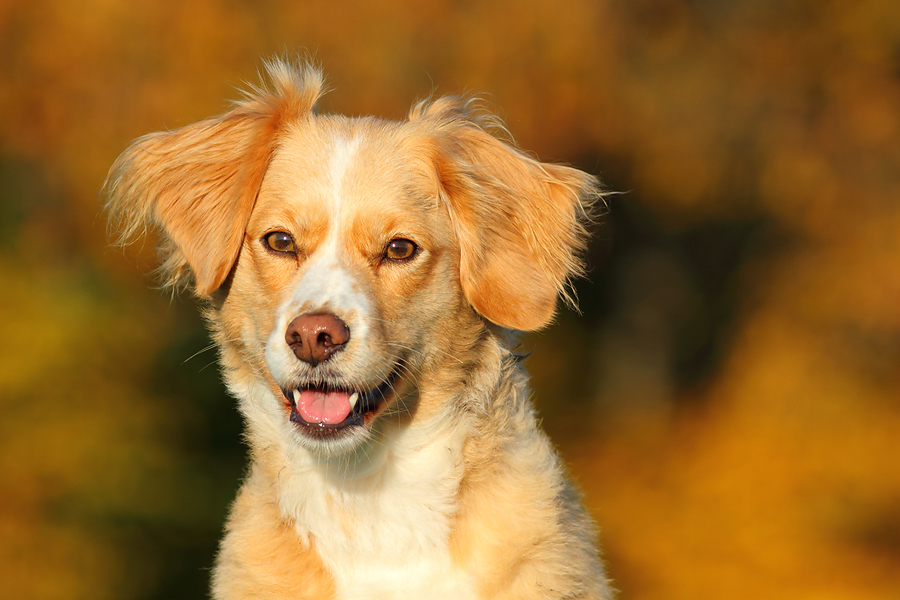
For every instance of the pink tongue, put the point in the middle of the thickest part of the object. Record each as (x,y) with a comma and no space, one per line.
(323,407)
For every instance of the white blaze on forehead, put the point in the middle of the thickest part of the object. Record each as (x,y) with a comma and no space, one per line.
(342,158)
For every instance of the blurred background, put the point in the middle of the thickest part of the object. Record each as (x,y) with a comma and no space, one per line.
(729,400)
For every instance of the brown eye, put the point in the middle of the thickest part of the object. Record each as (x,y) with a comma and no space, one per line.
(400,250)
(279,241)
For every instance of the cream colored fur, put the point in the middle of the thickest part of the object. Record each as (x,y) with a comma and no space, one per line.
(448,490)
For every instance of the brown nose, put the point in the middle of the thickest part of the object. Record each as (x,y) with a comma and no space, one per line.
(314,338)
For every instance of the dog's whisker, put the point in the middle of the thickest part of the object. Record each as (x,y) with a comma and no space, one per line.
(215,346)
(422,353)
(206,366)
(212,346)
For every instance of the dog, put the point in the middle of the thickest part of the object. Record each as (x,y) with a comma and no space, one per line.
(363,280)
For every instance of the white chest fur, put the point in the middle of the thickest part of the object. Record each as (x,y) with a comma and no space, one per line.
(381,519)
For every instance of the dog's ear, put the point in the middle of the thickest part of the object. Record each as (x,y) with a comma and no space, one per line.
(520,222)
(198,184)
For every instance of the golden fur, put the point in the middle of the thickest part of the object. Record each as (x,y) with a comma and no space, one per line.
(448,489)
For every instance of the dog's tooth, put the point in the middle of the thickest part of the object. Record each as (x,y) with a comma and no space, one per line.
(296,396)
(353,400)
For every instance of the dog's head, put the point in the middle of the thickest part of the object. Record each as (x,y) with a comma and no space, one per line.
(348,261)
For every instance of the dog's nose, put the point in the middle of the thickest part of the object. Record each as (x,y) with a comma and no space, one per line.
(314,338)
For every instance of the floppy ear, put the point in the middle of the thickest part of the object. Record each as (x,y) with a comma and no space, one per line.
(198,184)
(520,222)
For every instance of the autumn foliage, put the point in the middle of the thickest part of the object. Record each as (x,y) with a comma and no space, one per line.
(729,400)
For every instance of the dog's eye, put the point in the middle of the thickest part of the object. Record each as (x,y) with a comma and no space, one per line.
(279,241)
(400,250)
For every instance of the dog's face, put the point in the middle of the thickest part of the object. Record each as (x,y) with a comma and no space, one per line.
(348,261)
(347,278)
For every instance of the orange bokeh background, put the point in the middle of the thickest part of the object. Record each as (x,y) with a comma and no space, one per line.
(729,400)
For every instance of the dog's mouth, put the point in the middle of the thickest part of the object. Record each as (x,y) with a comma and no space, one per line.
(322,411)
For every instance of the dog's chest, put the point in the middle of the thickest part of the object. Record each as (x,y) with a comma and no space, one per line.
(395,575)
(387,535)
